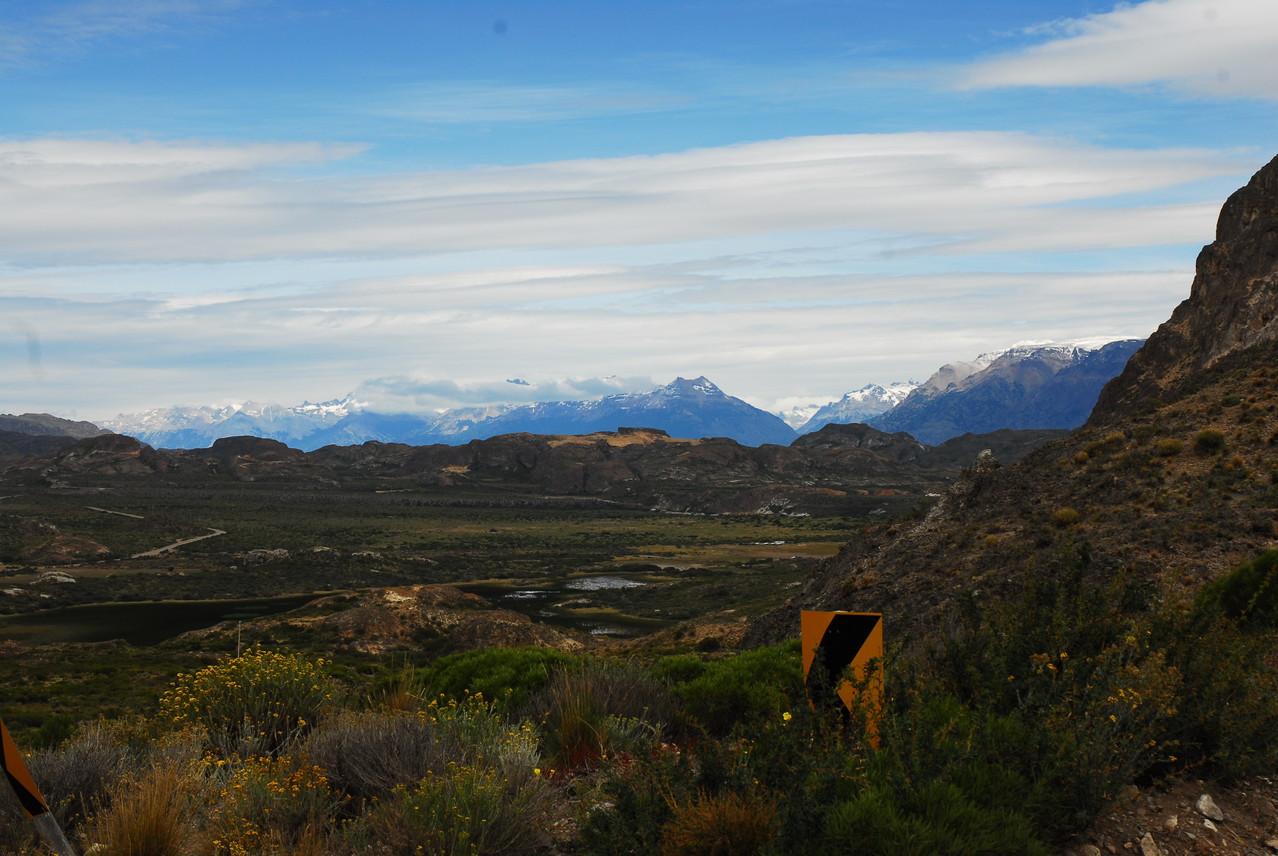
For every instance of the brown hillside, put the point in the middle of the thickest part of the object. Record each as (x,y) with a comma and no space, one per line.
(1172,482)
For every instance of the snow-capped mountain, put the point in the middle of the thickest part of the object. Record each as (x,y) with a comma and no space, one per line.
(1030,385)
(859,406)
(198,427)
(683,408)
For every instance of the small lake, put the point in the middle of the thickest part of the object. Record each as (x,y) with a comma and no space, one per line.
(144,623)
(564,603)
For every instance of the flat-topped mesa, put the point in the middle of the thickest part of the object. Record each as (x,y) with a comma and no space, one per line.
(1232,304)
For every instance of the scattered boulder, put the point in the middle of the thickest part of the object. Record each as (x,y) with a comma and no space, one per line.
(1207,808)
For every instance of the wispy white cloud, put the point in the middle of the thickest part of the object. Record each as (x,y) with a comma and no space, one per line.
(109,202)
(53,30)
(1208,48)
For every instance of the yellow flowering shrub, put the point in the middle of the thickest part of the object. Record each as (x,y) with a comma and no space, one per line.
(254,704)
(261,801)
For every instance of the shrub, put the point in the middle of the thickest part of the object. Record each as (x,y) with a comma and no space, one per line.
(509,675)
(463,810)
(254,704)
(594,709)
(936,818)
(724,824)
(1168,447)
(151,814)
(483,736)
(749,687)
(276,802)
(1065,517)
(78,774)
(368,755)
(1249,592)
(1209,441)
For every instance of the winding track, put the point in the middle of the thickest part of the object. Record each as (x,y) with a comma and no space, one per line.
(213,533)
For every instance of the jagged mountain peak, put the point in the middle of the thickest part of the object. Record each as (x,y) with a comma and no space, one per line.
(859,405)
(697,386)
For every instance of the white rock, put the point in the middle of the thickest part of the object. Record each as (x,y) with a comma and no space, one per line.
(1149,847)
(1171,823)
(1207,823)
(1207,808)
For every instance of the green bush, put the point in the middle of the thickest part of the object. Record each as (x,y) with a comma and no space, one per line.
(1249,592)
(748,688)
(936,818)
(509,676)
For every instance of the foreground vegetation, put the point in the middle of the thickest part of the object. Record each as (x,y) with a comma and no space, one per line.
(1005,737)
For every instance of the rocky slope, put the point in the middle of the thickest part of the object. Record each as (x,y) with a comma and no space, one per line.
(46,425)
(1172,481)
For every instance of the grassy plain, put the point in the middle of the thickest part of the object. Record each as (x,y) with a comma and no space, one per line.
(282,545)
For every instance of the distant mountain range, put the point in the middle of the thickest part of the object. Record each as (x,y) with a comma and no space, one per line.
(1039,385)
(1053,385)
(683,408)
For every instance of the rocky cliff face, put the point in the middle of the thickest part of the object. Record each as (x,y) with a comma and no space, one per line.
(1232,304)
(1172,482)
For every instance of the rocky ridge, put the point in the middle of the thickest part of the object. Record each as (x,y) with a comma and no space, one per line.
(840,469)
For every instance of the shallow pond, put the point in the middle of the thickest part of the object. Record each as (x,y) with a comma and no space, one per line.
(564,603)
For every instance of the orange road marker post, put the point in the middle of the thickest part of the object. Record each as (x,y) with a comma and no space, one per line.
(835,643)
(24,786)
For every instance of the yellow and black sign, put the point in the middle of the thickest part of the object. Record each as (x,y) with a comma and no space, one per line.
(19,777)
(835,643)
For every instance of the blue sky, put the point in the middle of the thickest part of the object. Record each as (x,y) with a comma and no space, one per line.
(208,201)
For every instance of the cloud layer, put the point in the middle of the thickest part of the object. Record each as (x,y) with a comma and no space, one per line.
(1212,48)
(112,202)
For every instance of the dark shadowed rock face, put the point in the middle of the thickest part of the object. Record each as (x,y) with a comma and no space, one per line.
(1232,304)
(899,446)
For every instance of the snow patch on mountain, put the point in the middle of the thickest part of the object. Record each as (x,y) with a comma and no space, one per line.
(859,406)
